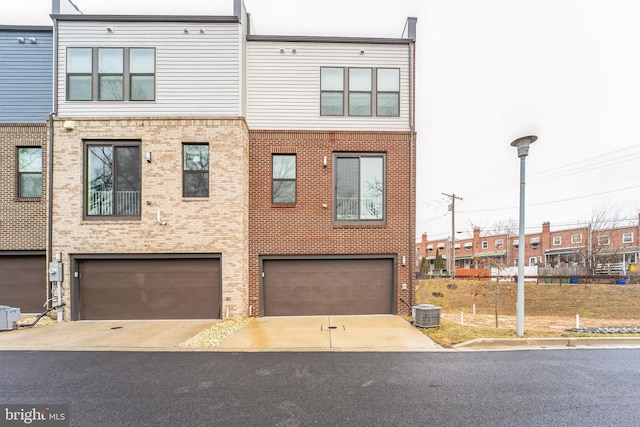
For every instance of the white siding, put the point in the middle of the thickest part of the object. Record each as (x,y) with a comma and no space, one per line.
(284,88)
(197,74)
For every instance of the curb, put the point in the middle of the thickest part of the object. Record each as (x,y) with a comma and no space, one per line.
(542,343)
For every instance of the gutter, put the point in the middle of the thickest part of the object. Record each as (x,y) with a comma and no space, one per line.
(411,22)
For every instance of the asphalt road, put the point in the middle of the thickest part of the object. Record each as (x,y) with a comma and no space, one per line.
(516,388)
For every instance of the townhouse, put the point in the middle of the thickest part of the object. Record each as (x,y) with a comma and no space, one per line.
(594,247)
(199,171)
(25,102)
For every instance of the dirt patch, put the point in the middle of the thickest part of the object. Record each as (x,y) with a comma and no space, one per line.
(547,306)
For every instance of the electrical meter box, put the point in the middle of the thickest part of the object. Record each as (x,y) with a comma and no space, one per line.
(55,272)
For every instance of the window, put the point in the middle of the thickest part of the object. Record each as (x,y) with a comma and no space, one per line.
(360,91)
(535,242)
(195,170)
(604,240)
(331,91)
(113,179)
(576,238)
(441,246)
(368,90)
(468,246)
(283,188)
(79,66)
(359,187)
(485,244)
(499,243)
(111,74)
(557,240)
(430,248)
(30,172)
(627,238)
(516,243)
(533,261)
(142,69)
(388,92)
(456,247)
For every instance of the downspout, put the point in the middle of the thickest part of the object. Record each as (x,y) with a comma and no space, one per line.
(411,47)
(55,10)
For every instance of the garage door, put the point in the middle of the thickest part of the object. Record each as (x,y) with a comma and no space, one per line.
(121,289)
(302,287)
(23,282)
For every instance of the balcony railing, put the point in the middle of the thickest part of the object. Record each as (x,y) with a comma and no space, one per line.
(127,203)
(354,208)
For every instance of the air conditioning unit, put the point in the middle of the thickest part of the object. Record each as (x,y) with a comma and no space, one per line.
(426,316)
(8,317)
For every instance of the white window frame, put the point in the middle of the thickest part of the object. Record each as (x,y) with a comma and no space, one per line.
(557,240)
(533,261)
(499,243)
(485,244)
(576,238)
(604,240)
(627,237)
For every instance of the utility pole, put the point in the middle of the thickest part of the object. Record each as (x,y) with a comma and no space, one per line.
(453,198)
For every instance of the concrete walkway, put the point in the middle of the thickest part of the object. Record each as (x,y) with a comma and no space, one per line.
(329,333)
(321,333)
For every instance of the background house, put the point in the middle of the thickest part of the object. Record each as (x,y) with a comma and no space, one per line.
(26,58)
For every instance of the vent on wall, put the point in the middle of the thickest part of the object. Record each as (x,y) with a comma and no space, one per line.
(426,316)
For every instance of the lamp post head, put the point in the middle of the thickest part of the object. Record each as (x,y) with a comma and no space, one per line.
(523,143)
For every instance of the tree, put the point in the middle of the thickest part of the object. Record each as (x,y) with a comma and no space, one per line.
(424,266)
(439,262)
(595,247)
(508,226)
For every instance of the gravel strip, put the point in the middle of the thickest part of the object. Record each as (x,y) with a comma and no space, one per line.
(608,330)
(45,321)
(214,335)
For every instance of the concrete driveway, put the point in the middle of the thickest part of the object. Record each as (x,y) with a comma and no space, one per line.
(317,333)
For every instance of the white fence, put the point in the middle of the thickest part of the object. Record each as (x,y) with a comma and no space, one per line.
(508,273)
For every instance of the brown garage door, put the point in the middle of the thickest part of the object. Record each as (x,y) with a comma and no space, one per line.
(301,287)
(122,289)
(23,282)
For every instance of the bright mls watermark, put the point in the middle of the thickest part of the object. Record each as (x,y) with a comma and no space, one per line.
(34,415)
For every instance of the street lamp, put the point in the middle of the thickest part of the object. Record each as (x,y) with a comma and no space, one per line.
(522,144)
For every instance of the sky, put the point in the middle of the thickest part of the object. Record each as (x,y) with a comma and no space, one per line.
(488,72)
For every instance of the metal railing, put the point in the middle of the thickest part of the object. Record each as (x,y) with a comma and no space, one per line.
(127,203)
(357,208)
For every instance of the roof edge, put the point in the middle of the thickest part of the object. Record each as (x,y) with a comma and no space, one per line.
(327,39)
(26,28)
(148,18)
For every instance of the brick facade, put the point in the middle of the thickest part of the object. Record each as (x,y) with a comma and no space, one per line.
(550,242)
(307,228)
(22,221)
(217,224)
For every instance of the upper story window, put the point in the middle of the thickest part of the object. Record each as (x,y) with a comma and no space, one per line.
(360,91)
(557,240)
(516,243)
(283,186)
(441,246)
(468,246)
(576,238)
(604,240)
(485,244)
(535,242)
(627,238)
(111,74)
(430,248)
(331,91)
(29,172)
(359,184)
(79,77)
(112,179)
(195,170)
(388,92)
(499,243)
(365,92)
